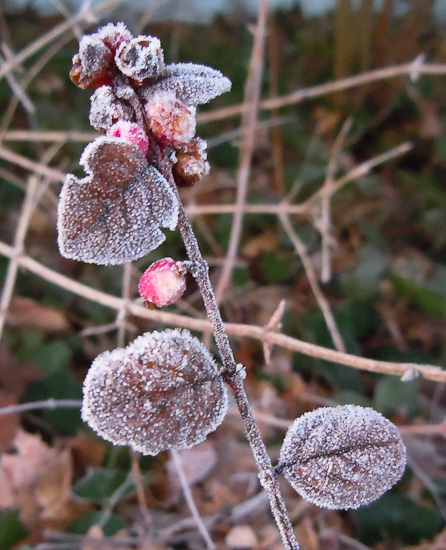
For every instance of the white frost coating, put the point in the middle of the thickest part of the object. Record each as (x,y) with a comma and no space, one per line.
(93,54)
(160,392)
(114,214)
(342,457)
(141,58)
(106,109)
(192,84)
(114,34)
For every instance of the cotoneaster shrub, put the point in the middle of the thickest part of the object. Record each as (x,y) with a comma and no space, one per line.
(164,390)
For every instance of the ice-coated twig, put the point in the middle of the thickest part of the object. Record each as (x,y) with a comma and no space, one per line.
(230,373)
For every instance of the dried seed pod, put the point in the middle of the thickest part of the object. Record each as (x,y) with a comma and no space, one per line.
(171,121)
(107,109)
(115,213)
(192,84)
(163,283)
(91,64)
(141,58)
(342,457)
(161,392)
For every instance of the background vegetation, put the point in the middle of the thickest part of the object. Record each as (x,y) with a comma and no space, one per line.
(343,217)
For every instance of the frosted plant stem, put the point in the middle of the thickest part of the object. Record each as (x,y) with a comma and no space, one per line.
(232,374)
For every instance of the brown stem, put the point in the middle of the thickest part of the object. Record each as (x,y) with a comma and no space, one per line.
(234,376)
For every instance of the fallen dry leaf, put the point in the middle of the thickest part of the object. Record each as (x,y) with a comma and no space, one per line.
(35,478)
(14,375)
(25,312)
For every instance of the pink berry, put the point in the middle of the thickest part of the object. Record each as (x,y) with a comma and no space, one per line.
(163,283)
(129,131)
(171,120)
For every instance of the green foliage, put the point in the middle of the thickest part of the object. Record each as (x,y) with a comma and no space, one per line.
(88,519)
(392,396)
(100,484)
(396,517)
(422,284)
(11,529)
(60,385)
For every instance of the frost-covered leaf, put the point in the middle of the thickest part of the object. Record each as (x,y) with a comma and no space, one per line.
(114,215)
(192,84)
(162,391)
(342,457)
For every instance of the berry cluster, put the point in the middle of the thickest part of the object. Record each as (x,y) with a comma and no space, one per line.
(147,110)
(119,65)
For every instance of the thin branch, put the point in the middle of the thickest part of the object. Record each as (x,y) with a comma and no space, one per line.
(429,372)
(304,208)
(140,493)
(251,102)
(36,167)
(190,499)
(43,40)
(85,15)
(47,135)
(16,88)
(312,279)
(50,404)
(414,69)
(324,223)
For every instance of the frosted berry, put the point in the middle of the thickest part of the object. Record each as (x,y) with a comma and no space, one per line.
(171,121)
(162,391)
(163,283)
(129,131)
(192,164)
(91,64)
(141,58)
(107,109)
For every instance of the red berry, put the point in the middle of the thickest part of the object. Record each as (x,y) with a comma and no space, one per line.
(163,283)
